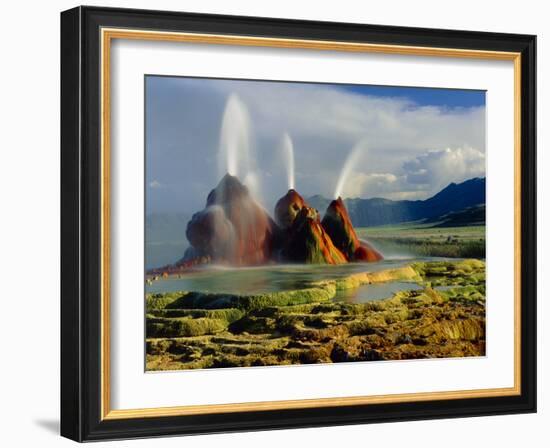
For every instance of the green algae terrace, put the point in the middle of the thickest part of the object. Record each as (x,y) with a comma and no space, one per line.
(440,314)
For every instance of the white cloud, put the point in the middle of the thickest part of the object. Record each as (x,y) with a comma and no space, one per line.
(436,169)
(407,154)
(420,177)
(373,184)
(386,123)
(412,150)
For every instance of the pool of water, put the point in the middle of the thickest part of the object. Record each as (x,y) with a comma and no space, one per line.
(375,291)
(256,280)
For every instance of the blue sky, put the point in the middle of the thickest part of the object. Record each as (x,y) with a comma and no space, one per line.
(411,142)
(422,96)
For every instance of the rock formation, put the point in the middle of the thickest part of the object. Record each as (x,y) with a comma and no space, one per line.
(287,208)
(366,252)
(233,227)
(338,226)
(306,241)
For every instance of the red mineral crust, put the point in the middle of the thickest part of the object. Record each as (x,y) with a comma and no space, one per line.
(287,208)
(233,227)
(306,241)
(337,224)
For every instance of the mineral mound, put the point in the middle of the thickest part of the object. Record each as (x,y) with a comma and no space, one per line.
(288,207)
(233,227)
(337,224)
(307,242)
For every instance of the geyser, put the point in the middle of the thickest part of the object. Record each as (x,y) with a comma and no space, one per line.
(352,160)
(253,183)
(232,228)
(287,150)
(234,155)
(235,229)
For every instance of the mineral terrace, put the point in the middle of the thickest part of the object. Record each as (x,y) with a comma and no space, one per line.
(446,318)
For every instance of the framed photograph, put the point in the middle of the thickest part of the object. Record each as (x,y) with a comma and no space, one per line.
(276,224)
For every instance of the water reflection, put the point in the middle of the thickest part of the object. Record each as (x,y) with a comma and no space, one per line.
(375,291)
(256,280)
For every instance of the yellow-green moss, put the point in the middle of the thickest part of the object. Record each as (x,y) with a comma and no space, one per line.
(201,330)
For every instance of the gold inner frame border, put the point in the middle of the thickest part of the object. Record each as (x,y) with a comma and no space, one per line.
(107,35)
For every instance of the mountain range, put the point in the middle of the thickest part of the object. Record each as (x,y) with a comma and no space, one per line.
(456,202)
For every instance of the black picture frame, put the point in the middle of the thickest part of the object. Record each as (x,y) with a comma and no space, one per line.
(81,224)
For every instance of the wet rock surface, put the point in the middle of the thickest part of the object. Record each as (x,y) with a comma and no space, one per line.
(337,224)
(306,241)
(189,330)
(288,207)
(233,228)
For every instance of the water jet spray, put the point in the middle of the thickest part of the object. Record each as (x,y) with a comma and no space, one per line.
(234,151)
(287,149)
(353,157)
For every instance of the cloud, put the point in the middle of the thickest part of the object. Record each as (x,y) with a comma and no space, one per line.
(405,141)
(420,177)
(373,184)
(436,169)
(412,150)
(325,112)
(155,184)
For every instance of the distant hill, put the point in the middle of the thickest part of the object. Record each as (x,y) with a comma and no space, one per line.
(470,216)
(378,211)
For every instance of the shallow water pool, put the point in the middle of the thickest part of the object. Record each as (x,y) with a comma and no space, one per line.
(375,291)
(257,280)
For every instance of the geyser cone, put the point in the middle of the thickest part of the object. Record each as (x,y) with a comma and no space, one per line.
(287,208)
(233,227)
(337,224)
(230,189)
(307,241)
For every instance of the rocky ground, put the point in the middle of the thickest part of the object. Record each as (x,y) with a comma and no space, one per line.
(190,330)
